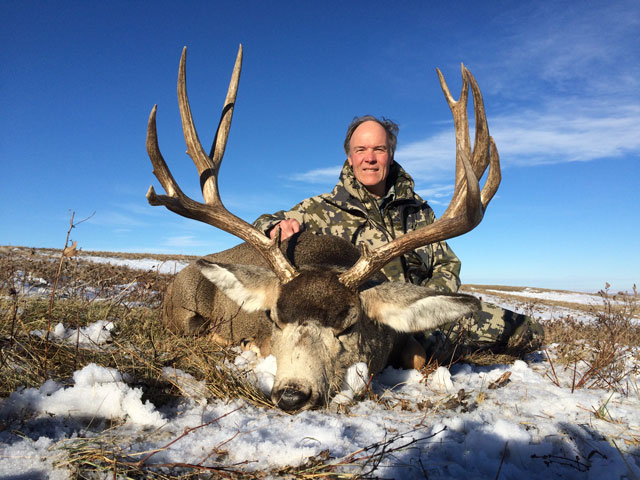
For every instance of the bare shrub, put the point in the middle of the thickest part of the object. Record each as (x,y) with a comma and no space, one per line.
(602,352)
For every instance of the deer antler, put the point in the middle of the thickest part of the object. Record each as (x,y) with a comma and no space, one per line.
(468,204)
(212,211)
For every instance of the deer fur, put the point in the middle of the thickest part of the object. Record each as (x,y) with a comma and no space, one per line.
(314,326)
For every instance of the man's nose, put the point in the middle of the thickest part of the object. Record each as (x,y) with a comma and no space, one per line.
(369,156)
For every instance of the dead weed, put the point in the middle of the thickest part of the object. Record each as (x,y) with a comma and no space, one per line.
(602,352)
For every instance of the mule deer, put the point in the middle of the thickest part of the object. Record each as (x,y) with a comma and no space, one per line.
(315,302)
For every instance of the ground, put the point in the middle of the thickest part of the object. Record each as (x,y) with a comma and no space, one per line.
(92,385)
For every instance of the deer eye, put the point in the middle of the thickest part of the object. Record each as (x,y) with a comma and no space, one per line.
(350,329)
(273,322)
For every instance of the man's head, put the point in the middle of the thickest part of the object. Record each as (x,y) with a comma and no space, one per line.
(370,145)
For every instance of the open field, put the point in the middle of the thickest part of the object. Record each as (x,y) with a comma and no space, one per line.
(75,327)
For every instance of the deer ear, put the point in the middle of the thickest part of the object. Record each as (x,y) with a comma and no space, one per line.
(253,288)
(411,308)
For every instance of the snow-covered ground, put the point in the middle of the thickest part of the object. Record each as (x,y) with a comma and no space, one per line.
(169,266)
(501,421)
(572,297)
(542,312)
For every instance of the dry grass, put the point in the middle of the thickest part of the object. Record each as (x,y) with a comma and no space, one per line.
(597,353)
(103,455)
(88,292)
(603,352)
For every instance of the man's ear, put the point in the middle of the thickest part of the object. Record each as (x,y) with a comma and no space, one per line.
(350,161)
(253,288)
(411,308)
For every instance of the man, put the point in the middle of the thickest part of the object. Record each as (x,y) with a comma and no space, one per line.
(374,202)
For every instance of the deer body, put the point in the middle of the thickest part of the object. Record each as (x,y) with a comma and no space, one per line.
(315,302)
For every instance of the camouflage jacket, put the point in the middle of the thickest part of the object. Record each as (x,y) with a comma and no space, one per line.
(352,213)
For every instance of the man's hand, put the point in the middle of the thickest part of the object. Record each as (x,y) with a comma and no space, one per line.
(288,227)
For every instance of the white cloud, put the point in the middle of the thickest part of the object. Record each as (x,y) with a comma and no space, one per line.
(430,159)
(573,48)
(560,133)
(437,194)
(115,219)
(567,133)
(318,175)
(185,241)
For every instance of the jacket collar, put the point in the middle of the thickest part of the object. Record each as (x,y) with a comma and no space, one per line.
(350,190)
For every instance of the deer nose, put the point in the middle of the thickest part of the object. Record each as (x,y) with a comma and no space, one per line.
(291,398)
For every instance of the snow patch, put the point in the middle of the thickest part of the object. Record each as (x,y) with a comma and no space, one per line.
(97,333)
(99,392)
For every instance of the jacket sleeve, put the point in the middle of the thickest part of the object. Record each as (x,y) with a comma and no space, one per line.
(445,275)
(266,222)
(312,213)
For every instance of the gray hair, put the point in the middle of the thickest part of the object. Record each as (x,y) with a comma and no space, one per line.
(389,126)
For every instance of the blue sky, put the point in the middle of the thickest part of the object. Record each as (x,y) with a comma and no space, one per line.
(560,82)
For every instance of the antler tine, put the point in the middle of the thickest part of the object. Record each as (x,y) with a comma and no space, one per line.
(207,169)
(468,203)
(480,155)
(212,211)
(485,152)
(160,169)
(493,178)
(480,159)
(461,127)
(220,140)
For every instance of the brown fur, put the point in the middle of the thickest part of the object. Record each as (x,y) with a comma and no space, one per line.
(193,304)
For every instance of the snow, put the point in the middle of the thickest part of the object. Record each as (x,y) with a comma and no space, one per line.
(464,422)
(98,392)
(97,333)
(542,312)
(529,418)
(570,297)
(169,266)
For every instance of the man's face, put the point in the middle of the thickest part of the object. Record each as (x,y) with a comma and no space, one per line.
(369,157)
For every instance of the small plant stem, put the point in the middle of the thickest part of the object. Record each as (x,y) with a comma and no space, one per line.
(14,315)
(186,432)
(557,382)
(504,454)
(624,459)
(367,389)
(53,295)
